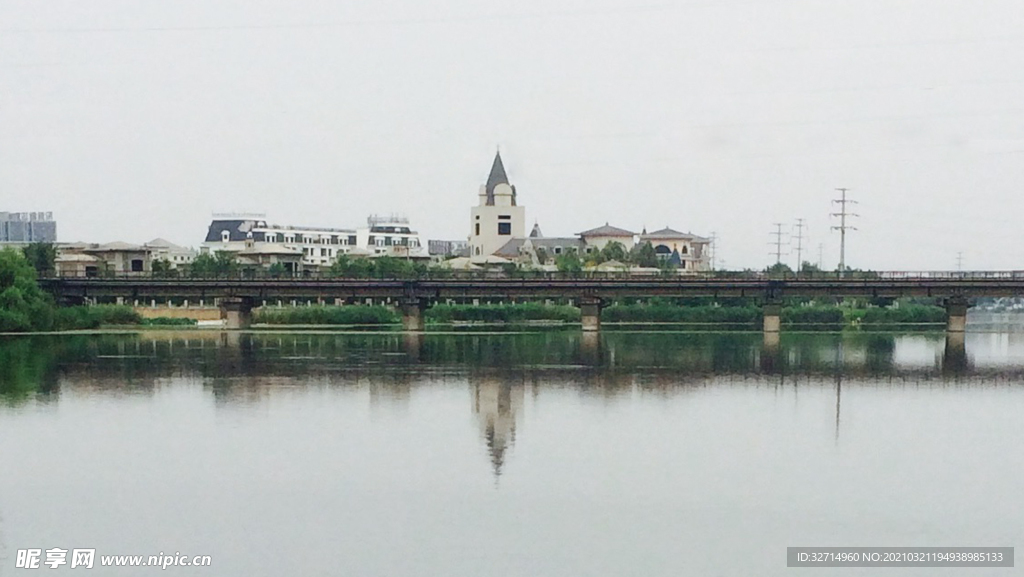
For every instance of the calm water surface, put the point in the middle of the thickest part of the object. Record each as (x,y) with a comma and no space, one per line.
(507,454)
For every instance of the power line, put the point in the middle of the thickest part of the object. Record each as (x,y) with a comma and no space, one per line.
(777,242)
(842,201)
(799,244)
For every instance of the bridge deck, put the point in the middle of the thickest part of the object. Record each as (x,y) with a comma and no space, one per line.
(601,288)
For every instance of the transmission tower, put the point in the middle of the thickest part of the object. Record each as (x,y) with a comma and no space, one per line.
(843,213)
(799,244)
(959,261)
(777,242)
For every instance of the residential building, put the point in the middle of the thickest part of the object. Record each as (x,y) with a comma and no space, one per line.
(597,238)
(390,235)
(319,247)
(448,248)
(165,250)
(497,218)
(27,227)
(93,259)
(685,249)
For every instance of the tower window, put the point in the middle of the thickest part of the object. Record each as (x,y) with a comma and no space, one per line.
(504,228)
(478,229)
(504,217)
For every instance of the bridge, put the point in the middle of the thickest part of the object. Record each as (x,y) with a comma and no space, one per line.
(238,296)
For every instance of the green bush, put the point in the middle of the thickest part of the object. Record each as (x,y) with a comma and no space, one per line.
(668,313)
(906,314)
(503,313)
(327,315)
(92,317)
(820,317)
(169,322)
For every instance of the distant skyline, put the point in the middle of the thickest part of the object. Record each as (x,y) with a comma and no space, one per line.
(134,121)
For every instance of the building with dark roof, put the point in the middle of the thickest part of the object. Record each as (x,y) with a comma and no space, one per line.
(498,217)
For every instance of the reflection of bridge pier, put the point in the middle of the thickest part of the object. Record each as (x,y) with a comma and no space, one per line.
(954,355)
(412,344)
(590,348)
(771,356)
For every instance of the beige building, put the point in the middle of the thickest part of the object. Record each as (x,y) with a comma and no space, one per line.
(687,250)
(598,238)
(497,218)
(177,256)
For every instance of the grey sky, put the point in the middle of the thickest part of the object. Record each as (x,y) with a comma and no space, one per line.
(132,120)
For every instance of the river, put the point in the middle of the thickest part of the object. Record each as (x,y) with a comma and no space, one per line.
(544,453)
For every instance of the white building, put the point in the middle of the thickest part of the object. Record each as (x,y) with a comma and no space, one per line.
(390,235)
(320,246)
(497,218)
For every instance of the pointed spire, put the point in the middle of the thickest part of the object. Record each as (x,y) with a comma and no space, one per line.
(496,177)
(536,233)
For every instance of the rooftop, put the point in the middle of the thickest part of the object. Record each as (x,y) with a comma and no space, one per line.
(607,230)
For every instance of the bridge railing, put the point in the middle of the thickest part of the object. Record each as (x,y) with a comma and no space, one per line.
(521,274)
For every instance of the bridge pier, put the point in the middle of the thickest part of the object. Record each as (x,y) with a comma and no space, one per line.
(772,320)
(412,314)
(590,313)
(956,315)
(236,312)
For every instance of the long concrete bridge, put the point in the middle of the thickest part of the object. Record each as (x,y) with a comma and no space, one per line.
(237,297)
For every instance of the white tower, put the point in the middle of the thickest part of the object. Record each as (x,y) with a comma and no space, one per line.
(497,218)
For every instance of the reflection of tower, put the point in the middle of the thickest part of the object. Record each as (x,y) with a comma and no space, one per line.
(496,405)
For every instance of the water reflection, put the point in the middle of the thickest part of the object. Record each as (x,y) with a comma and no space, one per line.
(509,453)
(37,367)
(495,406)
(246,369)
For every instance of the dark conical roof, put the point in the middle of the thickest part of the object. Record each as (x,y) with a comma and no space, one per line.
(496,177)
(536,233)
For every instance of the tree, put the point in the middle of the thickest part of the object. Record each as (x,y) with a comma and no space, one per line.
(644,255)
(569,261)
(43,257)
(162,267)
(277,270)
(23,306)
(809,267)
(614,251)
(223,263)
(779,269)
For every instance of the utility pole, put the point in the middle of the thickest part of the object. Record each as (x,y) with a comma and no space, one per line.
(777,242)
(799,244)
(821,253)
(843,227)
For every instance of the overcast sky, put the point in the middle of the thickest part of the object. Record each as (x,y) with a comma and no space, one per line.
(132,120)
